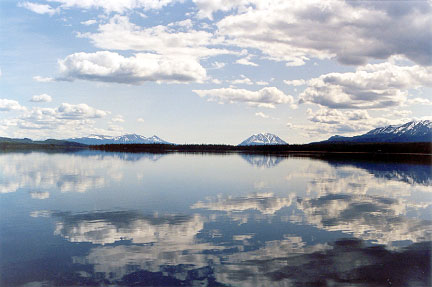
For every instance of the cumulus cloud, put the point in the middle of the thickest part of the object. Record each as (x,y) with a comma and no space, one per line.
(262,115)
(10,105)
(38,8)
(107,66)
(246,61)
(80,111)
(118,119)
(243,81)
(89,22)
(353,32)
(114,5)
(64,117)
(178,38)
(218,65)
(372,86)
(328,116)
(206,8)
(43,98)
(267,97)
(328,122)
(295,83)
(43,79)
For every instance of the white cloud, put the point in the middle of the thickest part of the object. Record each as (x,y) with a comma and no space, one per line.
(43,98)
(295,83)
(353,32)
(328,116)
(140,120)
(178,38)
(262,115)
(419,101)
(328,122)
(80,111)
(246,61)
(43,79)
(114,5)
(266,97)
(218,65)
(107,66)
(206,8)
(118,119)
(243,81)
(10,105)
(89,22)
(369,87)
(65,119)
(38,8)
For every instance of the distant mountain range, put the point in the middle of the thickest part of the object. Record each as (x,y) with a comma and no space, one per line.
(414,136)
(263,139)
(415,131)
(124,139)
(26,143)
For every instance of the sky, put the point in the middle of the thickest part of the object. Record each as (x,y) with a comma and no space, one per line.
(212,71)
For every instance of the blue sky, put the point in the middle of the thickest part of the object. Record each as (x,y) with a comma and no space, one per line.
(212,71)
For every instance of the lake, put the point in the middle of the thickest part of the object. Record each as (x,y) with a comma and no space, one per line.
(121,219)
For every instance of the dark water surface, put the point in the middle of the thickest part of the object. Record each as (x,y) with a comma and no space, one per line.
(108,219)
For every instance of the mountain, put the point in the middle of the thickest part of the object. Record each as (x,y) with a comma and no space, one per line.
(26,143)
(124,139)
(415,131)
(263,139)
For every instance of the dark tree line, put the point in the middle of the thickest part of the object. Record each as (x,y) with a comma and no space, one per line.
(340,147)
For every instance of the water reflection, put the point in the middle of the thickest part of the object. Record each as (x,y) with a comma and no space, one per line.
(379,219)
(266,203)
(97,219)
(75,172)
(420,174)
(352,263)
(109,227)
(263,161)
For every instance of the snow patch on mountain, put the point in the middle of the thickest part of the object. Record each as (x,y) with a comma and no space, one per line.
(414,131)
(124,139)
(263,139)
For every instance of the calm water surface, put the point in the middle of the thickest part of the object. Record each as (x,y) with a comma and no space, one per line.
(109,219)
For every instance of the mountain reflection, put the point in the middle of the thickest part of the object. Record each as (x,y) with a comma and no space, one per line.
(263,161)
(125,156)
(412,174)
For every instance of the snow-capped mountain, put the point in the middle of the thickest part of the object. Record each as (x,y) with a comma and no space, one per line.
(124,139)
(415,131)
(263,139)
